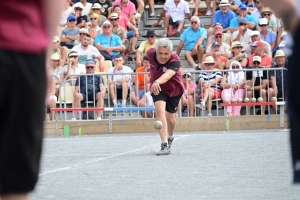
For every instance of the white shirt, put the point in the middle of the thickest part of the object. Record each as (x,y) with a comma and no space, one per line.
(119,74)
(58,71)
(65,14)
(87,9)
(149,99)
(79,69)
(224,48)
(245,39)
(85,55)
(177,13)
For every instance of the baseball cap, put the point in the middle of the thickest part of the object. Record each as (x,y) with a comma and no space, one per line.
(55,39)
(279,53)
(254,33)
(186,73)
(96,5)
(71,17)
(150,33)
(215,44)
(258,43)
(263,21)
(73,53)
(242,6)
(257,58)
(78,5)
(113,16)
(90,62)
(209,59)
(55,56)
(243,20)
(106,22)
(219,33)
(83,30)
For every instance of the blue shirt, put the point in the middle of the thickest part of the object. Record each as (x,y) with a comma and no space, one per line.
(224,20)
(234,23)
(89,84)
(190,37)
(73,32)
(270,37)
(112,41)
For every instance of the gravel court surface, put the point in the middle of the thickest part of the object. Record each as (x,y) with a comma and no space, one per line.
(203,165)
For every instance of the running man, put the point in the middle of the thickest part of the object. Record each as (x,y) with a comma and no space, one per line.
(166,89)
(290,14)
(26,28)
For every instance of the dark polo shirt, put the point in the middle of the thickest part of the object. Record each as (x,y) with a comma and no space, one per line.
(174,86)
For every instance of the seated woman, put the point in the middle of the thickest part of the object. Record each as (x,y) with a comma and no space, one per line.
(93,26)
(237,55)
(187,99)
(233,87)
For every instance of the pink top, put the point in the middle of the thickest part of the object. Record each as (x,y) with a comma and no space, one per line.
(127,10)
(123,22)
(192,86)
(23,26)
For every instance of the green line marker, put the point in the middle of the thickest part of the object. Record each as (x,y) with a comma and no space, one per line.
(66,130)
(79,132)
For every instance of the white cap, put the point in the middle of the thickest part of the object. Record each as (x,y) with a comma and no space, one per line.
(188,73)
(78,5)
(96,5)
(224,3)
(55,56)
(279,53)
(83,30)
(254,33)
(263,21)
(106,22)
(257,58)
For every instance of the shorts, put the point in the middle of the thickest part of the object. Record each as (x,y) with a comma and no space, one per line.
(120,93)
(173,24)
(89,97)
(216,92)
(171,102)
(22,105)
(279,93)
(130,34)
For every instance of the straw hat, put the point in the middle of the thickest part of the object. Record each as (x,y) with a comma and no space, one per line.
(236,44)
(209,59)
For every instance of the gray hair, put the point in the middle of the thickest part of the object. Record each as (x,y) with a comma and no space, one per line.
(196,18)
(164,42)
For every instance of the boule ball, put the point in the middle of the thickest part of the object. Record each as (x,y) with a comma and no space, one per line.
(233,100)
(274,99)
(253,99)
(260,99)
(246,100)
(158,124)
(240,100)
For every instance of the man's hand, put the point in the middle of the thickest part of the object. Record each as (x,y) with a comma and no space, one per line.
(217,55)
(138,64)
(155,88)
(241,29)
(241,55)
(77,14)
(155,23)
(103,94)
(136,33)
(194,51)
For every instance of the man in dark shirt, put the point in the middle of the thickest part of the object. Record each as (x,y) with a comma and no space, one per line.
(166,89)
(256,83)
(89,88)
(81,19)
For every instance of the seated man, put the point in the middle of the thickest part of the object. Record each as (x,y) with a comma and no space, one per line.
(256,83)
(243,34)
(73,66)
(173,13)
(257,47)
(109,44)
(224,47)
(88,52)
(141,81)
(234,23)
(117,29)
(220,61)
(278,78)
(81,19)
(193,38)
(147,101)
(144,46)
(119,81)
(89,88)
(255,36)
(209,82)
(70,34)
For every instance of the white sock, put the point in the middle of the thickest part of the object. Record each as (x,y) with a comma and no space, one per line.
(115,102)
(170,137)
(123,102)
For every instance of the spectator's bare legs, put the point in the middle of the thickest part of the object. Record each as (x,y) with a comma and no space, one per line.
(125,90)
(160,107)
(189,58)
(133,44)
(180,26)
(197,4)
(100,103)
(249,96)
(63,52)
(264,96)
(166,22)
(151,5)
(77,99)
(191,104)
(271,93)
(210,96)
(200,53)
(208,4)
(15,197)
(112,90)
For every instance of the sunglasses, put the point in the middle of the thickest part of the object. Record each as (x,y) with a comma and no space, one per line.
(96,9)
(151,36)
(114,19)
(237,47)
(185,76)
(194,22)
(93,18)
(72,56)
(81,33)
(106,26)
(242,24)
(209,64)
(78,8)
(217,24)
(263,25)
(89,67)
(267,14)
(72,20)
(235,67)
(256,63)
(220,36)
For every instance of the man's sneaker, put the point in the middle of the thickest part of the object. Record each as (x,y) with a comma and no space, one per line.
(152,14)
(208,13)
(170,140)
(164,149)
(201,105)
(209,115)
(98,118)
(73,119)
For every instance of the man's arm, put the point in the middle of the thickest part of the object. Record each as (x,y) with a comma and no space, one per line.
(162,14)
(180,45)
(70,37)
(273,82)
(63,38)
(141,5)
(263,85)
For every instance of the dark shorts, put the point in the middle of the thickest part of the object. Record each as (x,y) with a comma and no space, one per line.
(173,24)
(279,94)
(69,46)
(22,107)
(90,97)
(120,93)
(171,102)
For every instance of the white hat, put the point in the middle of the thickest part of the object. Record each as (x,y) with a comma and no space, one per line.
(257,58)
(83,30)
(209,59)
(96,5)
(263,21)
(279,53)
(188,73)
(106,22)
(282,44)
(55,56)
(254,33)
(55,39)
(78,5)
(224,3)
(73,53)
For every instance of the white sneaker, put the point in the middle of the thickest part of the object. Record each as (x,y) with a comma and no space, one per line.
(208,13)
(98,118)
(152,14)
(201,105)
(209,115)
(73,119)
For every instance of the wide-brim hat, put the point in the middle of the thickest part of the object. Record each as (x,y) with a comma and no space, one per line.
(236,44)
(224,3)
(209,59)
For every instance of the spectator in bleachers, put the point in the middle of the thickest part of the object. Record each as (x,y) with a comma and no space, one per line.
(119,81)
(57,70)
(224,47)
(233,87)
(243,33)
(237,55)
(266,60)
(141,81)
(256,83)
(80,18)
(255,36)
(127,9)
(105,6)
(174,12)
(109,44)
(281,43)
(70,34)
(151,5)
(89,88)
(209,82)
(96,9)
(251,5)
(144,46)
(257,13)
(217,28)
(147,101)
(86,7)
(73,66)
(82,32)
(267,13)
(193,38)
(88,52)
(117,29)
(93,26)
(266,34)
(133,34)
(234,23)
(187,99)
(61,51)
(220,60)
(197,4)
(278,78)
(67,10)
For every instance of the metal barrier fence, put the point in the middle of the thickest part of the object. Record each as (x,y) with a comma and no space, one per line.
(207,90)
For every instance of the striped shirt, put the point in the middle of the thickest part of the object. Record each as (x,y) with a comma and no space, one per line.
(210,77)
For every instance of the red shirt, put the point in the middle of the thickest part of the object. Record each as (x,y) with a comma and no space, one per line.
(23,26)
(174,86)
(266,60)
